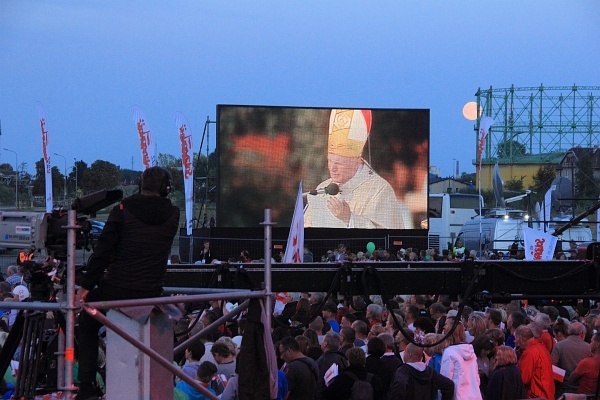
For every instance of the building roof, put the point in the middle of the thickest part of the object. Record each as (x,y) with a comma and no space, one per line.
(547,158)
(580,152)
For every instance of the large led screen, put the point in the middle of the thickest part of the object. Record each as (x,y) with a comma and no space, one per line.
(359,168)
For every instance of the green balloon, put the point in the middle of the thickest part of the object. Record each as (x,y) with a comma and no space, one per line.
(370,247)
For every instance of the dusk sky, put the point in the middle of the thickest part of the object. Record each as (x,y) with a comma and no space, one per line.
(88,62)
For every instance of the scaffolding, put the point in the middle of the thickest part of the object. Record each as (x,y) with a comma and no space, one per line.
(538,121)
(69,307)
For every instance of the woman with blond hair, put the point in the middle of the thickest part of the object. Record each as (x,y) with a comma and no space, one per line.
(459,362)
(476,325)
(390,325)
(505,380)
(434,352)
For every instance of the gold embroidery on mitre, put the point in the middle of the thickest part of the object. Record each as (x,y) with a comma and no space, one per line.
(347,133)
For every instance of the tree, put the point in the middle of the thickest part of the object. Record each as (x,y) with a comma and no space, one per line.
(472,177)
(76,175)
(543,178)
(6,168)
(7,196)
(130,177)
(173,164)
(39,183)
(514,184)
(586,186)
(101,175)
(205,174)
(511,149)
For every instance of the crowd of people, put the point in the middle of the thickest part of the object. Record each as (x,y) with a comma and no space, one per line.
(14,287)
(341,253)
(414,347)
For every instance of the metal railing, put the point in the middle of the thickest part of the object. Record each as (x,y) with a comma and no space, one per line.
(69,307)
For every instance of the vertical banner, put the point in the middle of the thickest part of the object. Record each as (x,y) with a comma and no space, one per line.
(484,127)
(146,144)
(46,156)
(548,207)
(294,250)
(185,136)
(539,246)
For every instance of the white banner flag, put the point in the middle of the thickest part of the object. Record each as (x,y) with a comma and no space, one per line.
(146,144)
(484,127)
(185,136)
(294,251)
(46,156)
(548,208)
(538,245)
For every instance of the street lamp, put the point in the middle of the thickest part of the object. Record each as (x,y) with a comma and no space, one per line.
(16,177)
(75,165)
(65,191)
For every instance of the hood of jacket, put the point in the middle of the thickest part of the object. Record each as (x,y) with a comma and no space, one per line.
(151,210)
(423,377)
(464,350)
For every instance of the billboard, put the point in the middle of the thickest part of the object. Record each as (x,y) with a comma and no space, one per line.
(360,168)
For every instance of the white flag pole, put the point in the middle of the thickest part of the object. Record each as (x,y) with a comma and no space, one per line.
(484,126)
(46,156)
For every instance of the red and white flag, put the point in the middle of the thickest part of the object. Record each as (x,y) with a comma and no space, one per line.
(294,251)
(484,127)
(539,246)
(146,144)
(185,136)
(46,156)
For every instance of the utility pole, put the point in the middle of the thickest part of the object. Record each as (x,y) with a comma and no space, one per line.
(75,165)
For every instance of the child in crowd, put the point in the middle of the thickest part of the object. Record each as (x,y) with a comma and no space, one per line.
(206,372)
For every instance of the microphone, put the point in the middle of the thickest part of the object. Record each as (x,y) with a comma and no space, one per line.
(331,189)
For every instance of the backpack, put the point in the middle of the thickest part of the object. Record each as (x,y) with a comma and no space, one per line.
(361,390)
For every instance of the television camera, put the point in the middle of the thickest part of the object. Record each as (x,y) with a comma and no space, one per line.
(47,233)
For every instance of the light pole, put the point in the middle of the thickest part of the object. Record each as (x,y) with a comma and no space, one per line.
(16,177)
(65,191)
(75,165)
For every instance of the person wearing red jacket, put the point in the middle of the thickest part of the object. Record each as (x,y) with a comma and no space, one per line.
(535,364)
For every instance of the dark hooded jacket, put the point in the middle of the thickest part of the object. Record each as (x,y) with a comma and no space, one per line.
(134,245)
(341,386)
(410,383)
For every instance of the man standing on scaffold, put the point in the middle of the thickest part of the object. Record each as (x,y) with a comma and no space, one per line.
(133,249)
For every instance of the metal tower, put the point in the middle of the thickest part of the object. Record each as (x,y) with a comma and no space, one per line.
(537,123)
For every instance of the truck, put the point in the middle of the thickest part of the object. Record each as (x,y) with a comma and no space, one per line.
(447,213)
(46,232)
(23,230)
(499,229)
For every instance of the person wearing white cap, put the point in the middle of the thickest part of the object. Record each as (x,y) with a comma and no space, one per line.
(363,199)
(21,292)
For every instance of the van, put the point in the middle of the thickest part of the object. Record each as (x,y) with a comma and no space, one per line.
(501,228)
(576,234)
(447,214)
(22,230)
(495,231)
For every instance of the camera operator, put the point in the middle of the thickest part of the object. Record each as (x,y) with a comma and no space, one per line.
(133,249)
